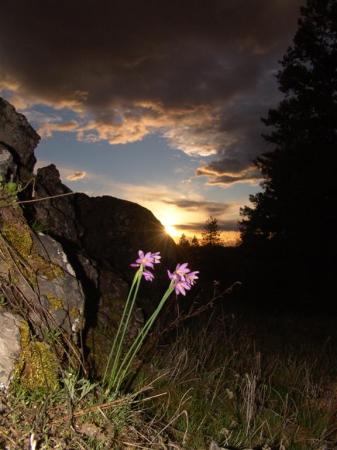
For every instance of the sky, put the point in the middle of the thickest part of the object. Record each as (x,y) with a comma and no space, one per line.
(156,102)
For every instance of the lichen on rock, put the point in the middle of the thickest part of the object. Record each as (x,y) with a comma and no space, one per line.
(55,302)
(38,366)
(19,236)
(37,268)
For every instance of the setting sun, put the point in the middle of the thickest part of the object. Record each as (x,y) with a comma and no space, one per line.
(170,227)
(171,230)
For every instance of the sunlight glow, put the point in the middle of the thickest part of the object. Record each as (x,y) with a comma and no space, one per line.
(170,227)
(171,230)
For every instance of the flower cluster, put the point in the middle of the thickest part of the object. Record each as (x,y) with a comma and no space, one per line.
(145,260)
(182,278)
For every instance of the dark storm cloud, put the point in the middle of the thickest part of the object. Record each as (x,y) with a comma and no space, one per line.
(211,208)
(198,71)
(223,225)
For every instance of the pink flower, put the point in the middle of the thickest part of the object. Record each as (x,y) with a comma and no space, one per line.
(148,275)
(182,278)
(180,287)
(156,257)
(182,269)
(145,260)
(191,277)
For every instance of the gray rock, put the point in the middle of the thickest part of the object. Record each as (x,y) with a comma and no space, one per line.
(63,295)
(35,272)
(10,346)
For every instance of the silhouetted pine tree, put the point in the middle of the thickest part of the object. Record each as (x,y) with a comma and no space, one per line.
(295,213)
(211,234)
(183,241)
(195,241)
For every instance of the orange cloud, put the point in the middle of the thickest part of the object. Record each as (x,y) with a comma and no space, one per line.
(47,129)
(76,176)
(216,177)
(201,77)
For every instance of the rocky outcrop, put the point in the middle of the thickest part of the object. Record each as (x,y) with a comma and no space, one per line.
(98,237)
(19,137)
(110,230)
(10,346)
(102,236)
(35,275)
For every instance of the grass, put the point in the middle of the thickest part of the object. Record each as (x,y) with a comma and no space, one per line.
(215,384)
(237,382)
(242,396)
(77,416)
(212,383)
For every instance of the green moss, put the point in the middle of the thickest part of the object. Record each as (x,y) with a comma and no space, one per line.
(24,334)
(45,268)
(41,367)
(18,235)
(56,303)
(38,366)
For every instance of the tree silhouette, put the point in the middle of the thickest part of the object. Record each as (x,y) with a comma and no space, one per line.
(195,241)
(183,241)
(211,235)
(295,212)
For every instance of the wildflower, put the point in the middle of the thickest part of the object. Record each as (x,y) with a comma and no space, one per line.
(148,275)
(156,257)
(191,277)
(147,259)
(179,284)
(182,269)
(118,365)
(182,278)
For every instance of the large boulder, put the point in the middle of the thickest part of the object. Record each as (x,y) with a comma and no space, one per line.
(110,230)
(106,231)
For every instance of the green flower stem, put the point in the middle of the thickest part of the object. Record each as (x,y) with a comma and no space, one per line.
(126,325)
(129,357)
(127,307)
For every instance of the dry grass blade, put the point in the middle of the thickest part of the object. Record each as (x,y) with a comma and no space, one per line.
(104,406)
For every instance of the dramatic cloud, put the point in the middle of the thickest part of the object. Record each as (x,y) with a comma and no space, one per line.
(200,73)
(76,176)
(216,171)
(210,208)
